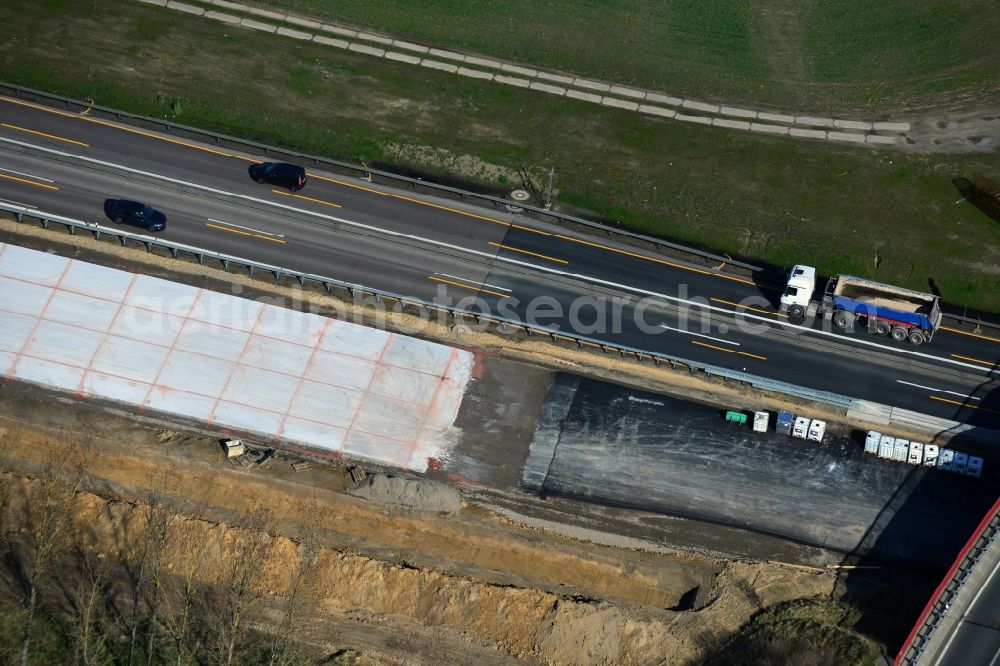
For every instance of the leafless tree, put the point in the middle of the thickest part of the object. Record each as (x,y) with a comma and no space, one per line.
(241,585)
(146,560)
(146,585)
(299,599)
(7,440)
(88,588)
(50,510)
(180,602)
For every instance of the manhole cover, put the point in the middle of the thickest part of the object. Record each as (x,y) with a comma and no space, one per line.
(517,195)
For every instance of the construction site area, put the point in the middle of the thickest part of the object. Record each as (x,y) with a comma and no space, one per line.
(617,546)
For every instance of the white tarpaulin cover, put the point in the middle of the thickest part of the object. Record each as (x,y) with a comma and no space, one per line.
(227,361)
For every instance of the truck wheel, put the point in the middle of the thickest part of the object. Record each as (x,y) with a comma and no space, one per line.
(882,328)
(917,338)
(843,319)
(797,311)
(898,333)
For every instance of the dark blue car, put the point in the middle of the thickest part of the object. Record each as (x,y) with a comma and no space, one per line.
(123,211)
(283,174)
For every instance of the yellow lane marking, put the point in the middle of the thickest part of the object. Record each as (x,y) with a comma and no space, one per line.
(270,238)
(124,129)
(534,231)
(533,254)
(235,231)
(156,136)
(971,335)
(399,196)
(466,286)
(975,360)
(570,239)
(728,351)
(747,307)
(430,205)
(449,209)
(50,136)
(299,196)
(962,404)
(244,233)
(370,190)
(653,259)
(29,182)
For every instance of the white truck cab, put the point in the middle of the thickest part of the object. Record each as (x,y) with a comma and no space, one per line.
(799,290)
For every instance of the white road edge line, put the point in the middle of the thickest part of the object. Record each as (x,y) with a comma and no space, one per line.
(18,203)
(256,231)
(937,390)
(484,284)
(965,611)
(28,175)
(700,335)
(515,262)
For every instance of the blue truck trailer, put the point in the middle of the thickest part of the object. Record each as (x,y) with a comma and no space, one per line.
(884,309)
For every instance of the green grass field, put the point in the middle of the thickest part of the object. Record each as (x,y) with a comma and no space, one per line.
(853,57)
(885,215)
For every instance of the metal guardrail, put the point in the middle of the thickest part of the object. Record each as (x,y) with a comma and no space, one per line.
(504,324)
(965,319)
(497,202)
(940,603)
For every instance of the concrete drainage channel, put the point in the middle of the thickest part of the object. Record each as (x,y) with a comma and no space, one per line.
(655,104)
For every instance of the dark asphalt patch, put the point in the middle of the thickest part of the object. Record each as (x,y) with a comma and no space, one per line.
(622,447)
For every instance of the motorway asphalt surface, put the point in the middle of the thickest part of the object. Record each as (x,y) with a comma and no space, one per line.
(348,229)
(976,638)
(968,632)
(618,446)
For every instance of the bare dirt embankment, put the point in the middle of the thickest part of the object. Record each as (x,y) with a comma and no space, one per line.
(396,583)
(391,581)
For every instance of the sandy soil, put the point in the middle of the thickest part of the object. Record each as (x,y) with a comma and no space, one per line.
(548,573)
(397,582)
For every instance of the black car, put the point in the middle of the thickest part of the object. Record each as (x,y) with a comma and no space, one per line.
(123,211)
(287,175)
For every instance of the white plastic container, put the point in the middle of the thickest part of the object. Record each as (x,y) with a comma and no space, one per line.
(801,427)
(760,421)
(817,430)
(930,455)
(902,450)
(234,448)
(886,445)
(916,453)
(871,442)
(945,459)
